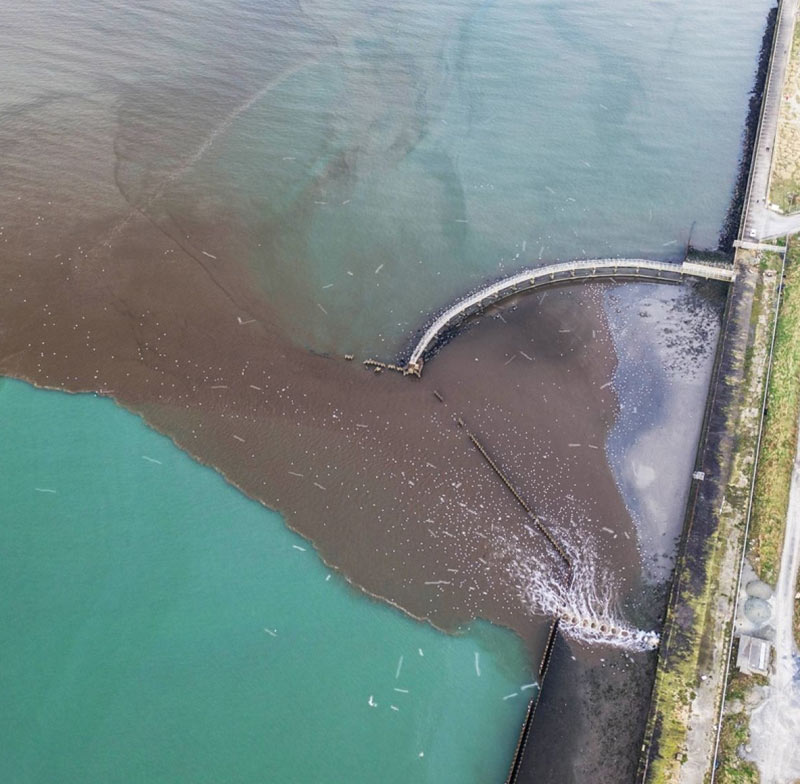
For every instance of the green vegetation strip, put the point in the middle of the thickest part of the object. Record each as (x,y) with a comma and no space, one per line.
(736,731)
(779,438)
(770,502)
(784,188)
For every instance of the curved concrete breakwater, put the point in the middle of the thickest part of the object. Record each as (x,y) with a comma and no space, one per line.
(584,603)
(558,273)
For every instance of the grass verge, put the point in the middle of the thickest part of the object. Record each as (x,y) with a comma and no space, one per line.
(770,502)
(733,769)
(784,188)
(779,438)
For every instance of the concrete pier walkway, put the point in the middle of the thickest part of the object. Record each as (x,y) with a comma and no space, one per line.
(758,221)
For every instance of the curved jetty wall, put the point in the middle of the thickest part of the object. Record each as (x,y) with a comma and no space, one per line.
(578,269)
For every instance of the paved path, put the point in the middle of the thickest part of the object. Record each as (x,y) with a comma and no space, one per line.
(758,222)
(759,246)
(554,273)
(771,225)
(775,724)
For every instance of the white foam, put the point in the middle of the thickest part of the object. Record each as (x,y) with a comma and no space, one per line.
(587,607)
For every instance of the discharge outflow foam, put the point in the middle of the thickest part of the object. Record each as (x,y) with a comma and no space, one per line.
(587,606)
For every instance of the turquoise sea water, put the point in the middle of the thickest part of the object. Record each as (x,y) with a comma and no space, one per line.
(157,626)
(441,144)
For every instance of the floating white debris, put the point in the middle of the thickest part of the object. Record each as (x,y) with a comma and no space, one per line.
(317,484)
(242,321)
(607,384)
(371,702)
(527,686)
(239,438)
(399,667)
(297,547)
(607,530)
(511,696)
(394,707)
(294,473)
(420,652)
(327,578)
(151,460)
(477,664)
(322,309)
(271,632)
(402,691)
(437,582)
(44,490)
(378,268)
(211,256)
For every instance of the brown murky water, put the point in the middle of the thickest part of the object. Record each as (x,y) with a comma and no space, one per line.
(373,469)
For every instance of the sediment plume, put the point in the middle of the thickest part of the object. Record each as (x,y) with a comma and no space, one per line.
(372,469)
(151,304)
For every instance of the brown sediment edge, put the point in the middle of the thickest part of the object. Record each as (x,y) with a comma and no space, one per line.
(456,631)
